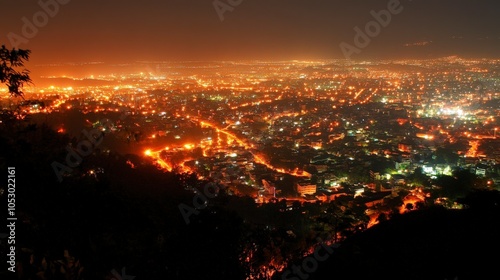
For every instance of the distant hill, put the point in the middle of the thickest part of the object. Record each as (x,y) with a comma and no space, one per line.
(68,82)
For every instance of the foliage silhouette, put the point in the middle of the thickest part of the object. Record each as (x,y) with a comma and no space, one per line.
(10,61)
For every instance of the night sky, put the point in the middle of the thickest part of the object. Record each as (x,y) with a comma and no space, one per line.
(131,30)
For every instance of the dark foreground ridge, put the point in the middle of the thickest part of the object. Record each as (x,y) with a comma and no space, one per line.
(434,243)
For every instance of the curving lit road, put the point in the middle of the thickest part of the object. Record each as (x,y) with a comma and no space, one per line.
(231,137)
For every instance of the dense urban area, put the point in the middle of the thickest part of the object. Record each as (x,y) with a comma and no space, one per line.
(294,152)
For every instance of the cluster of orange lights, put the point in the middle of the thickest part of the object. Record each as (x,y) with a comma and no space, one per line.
(231,139)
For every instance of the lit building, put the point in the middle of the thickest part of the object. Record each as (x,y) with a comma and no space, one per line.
(305,188)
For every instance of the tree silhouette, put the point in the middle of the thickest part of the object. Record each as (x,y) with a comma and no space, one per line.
(459,185)
(419,178)
(10,61)
(382,217)
(409,206)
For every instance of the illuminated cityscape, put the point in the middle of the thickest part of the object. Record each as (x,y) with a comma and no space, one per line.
(298,118)
(328,129)
(222,151)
